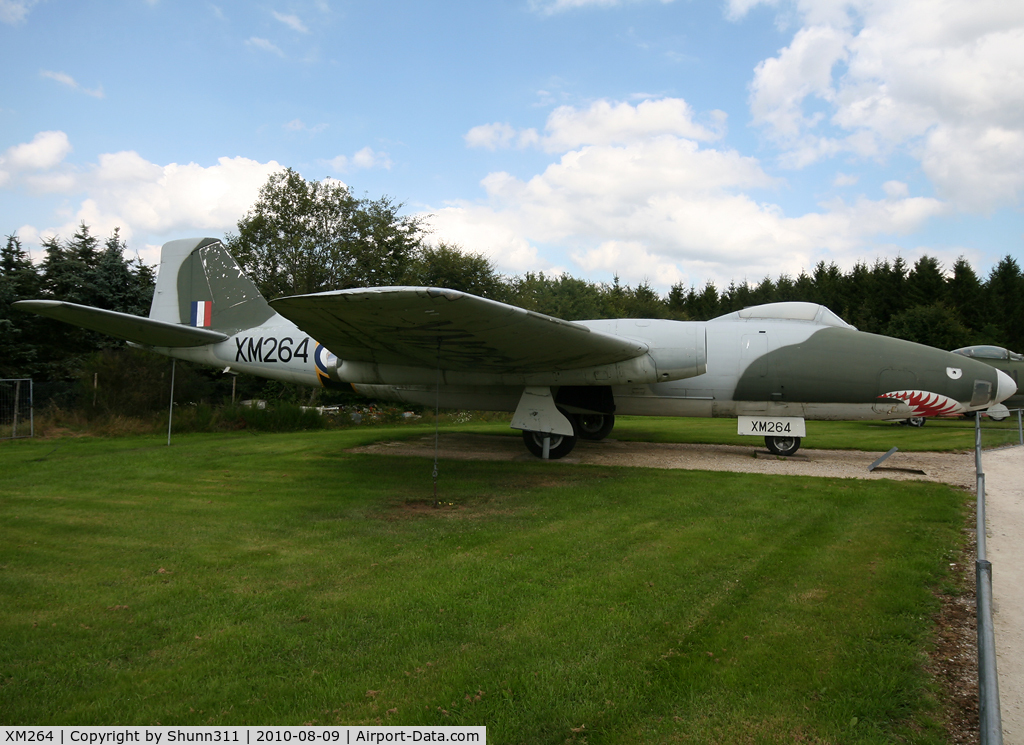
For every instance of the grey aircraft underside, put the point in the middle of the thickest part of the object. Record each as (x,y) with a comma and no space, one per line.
(771,366)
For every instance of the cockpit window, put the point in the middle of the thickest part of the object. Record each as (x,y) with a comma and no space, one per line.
(829,318)
(988,352)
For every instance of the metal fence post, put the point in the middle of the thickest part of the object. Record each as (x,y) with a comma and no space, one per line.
(990,724)
(14,419)
(170,408)
(12,405)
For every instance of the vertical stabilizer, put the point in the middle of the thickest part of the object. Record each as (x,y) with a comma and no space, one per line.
(200,284)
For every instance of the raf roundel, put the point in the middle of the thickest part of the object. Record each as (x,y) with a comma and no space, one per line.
(954,373)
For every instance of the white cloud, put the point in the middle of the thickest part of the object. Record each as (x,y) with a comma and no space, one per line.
(736,9)
(603,123)
(549,7)
(13,12)
(141,198)
(64,79)
(606,123)
(895,189)
(163,199)
(613,256)
(45,151)
(804,68)
(647,194)
(364,158)
(940,80)
(291,21)
(297,125)
(501,236)
(491,136)
(369,158)
(264,45)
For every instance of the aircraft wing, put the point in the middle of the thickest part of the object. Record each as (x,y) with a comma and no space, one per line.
(136,329)
(431,327)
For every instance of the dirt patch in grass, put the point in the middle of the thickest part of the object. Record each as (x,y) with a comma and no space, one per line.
(412,509)
(954,663)
(954,660)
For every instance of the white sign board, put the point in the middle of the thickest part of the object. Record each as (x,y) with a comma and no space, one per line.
(772,426)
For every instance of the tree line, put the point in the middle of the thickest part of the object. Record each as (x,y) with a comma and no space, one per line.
(308,236)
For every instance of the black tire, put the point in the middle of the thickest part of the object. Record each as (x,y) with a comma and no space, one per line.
(782,445)
(561,445)
(594,426)
(916,421)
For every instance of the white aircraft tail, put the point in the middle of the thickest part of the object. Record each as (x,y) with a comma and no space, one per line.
(200,284)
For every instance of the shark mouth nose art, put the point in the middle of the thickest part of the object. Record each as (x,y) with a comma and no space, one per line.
(925,403)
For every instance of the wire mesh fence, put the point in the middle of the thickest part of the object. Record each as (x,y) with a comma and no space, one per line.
(17,418)
(1002,431)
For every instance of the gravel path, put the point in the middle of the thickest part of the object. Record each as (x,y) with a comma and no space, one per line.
(951,468)
(1004,510)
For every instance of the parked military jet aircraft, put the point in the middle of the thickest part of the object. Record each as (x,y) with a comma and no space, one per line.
(771,366)
(1010,363)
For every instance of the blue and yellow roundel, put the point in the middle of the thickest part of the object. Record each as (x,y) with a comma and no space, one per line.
(326,362)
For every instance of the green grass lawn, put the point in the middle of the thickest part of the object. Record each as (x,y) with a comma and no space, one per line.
(277,579)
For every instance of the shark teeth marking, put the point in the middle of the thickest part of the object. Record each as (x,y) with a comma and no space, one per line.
(925,403)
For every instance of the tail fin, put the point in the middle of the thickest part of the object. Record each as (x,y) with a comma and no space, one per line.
(201,285)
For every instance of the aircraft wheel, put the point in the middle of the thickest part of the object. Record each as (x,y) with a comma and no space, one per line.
(996,418)
(782,445)
(594,426)
(561,445)
(916,421)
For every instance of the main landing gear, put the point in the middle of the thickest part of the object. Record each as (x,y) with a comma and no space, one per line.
(585,426)
(594,426)
(559,446)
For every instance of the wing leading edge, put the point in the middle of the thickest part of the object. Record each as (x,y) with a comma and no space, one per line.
(438,328)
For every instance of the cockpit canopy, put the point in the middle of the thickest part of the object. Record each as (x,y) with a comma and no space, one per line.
(989,352)
(792,311)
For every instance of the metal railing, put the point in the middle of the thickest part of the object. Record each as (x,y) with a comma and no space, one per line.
(990,724)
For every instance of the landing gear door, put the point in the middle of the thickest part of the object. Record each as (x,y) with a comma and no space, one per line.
(537,412)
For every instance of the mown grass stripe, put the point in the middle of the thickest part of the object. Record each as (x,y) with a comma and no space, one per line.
(303,583)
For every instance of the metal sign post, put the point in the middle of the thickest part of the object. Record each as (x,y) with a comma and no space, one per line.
(170,409)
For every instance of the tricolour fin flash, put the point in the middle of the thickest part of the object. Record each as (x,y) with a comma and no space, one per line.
(201,284)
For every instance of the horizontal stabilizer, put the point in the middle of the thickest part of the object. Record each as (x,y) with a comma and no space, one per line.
(136,329)
(430,327)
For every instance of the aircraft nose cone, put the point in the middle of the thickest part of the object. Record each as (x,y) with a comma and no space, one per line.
(1005,388)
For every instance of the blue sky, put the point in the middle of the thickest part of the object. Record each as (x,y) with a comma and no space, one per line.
(666,141)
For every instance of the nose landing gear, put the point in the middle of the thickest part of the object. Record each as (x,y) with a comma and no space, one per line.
(782,445)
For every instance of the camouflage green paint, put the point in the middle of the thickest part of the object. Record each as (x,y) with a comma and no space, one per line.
(210,273)
(836,365)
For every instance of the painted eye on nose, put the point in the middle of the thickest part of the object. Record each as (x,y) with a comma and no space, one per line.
(954,372)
